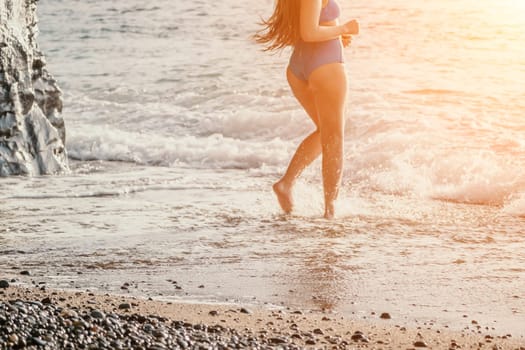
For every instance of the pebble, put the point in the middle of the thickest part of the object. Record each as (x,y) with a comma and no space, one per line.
(420,344)
(13,338)
(277,340)
(4,284)
(245,311)
(385,316)
(318,331)
(124,306)
(97,314)
(359,337)
(25,273)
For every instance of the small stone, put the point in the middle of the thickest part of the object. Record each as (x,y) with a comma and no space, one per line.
(277,340)
(97,314)
(245,311)
(213,313)
(4,284)
(38,341)
(310,342)
(420,344)
(124,306)
(385,316)
(46,301)
(359,337)
(25,273)
(318,331)
(13,338)
(67,313)
(159,334)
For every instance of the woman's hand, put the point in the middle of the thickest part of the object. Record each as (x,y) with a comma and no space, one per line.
(346,39)
(351,27)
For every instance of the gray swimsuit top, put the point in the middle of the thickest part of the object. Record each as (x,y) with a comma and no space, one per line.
(330,12)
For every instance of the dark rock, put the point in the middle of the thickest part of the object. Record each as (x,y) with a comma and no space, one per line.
(318,331)
(420,344)
(25,273)
(4,284)
(359,337)
(277,340)
(97,314)
(38,341)
(46,300)
(213,313)
(245,311)
(385,316)
(124,306)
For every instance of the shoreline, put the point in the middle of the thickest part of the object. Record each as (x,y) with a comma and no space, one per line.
(274,327)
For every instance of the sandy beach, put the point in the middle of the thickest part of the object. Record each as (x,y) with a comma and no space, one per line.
(278,327)
(177,127)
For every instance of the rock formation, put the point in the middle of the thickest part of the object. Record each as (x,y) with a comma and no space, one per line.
(32,132)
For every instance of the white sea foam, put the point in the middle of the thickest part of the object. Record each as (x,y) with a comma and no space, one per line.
(214,151)
(516,205)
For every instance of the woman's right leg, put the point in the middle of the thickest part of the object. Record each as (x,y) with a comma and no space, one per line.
(330,87)
(307,151)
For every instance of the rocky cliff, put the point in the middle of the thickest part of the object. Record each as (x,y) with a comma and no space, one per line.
(32,132)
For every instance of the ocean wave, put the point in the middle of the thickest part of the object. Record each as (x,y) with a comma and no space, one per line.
(213,151)
(391,162)
(100,193)
(515,205)
(428,165)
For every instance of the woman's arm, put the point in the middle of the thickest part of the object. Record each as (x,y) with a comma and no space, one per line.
(312,31)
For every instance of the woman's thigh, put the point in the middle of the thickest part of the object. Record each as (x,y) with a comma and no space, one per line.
(329,87)
(303,93)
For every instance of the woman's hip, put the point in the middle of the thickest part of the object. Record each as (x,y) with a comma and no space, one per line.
(307,57)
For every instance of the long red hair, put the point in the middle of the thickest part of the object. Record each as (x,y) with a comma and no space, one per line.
(282,28)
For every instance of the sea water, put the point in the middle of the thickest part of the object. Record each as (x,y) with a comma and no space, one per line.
(177,125)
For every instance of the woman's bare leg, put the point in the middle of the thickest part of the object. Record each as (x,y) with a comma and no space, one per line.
(307,151)
(329,86)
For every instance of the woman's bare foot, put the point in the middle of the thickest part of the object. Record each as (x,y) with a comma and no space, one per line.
(329,212)
(284,196)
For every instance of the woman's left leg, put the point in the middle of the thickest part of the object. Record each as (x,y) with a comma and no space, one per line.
(308,150)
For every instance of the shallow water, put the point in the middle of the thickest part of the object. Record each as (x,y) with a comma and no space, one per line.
(177,126)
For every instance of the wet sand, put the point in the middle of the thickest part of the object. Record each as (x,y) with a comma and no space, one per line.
(302,328)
